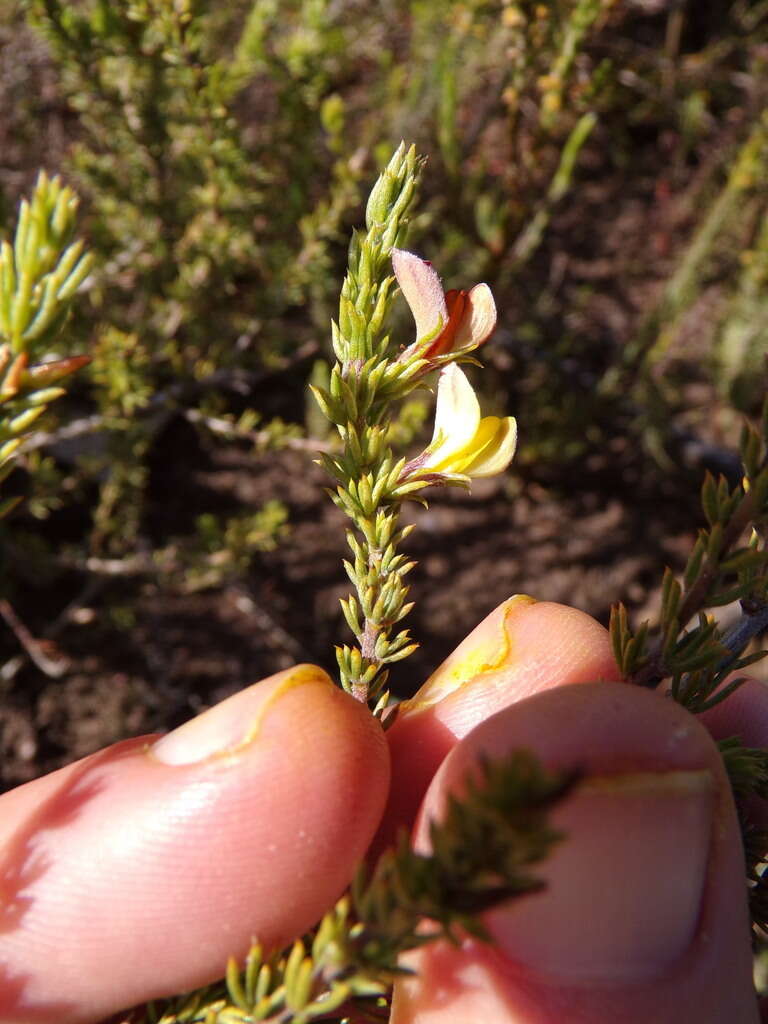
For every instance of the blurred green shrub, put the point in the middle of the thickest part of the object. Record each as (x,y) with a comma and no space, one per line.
(194,231)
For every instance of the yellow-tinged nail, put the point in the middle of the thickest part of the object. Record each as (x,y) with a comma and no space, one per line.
(487,649)
(230,727)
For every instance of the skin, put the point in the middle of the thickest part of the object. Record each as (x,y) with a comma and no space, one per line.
(136,872)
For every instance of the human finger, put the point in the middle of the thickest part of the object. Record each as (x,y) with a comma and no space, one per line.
(136,872)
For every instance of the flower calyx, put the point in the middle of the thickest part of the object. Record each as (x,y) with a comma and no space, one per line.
(447,323)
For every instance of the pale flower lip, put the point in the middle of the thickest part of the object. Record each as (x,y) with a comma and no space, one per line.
(464,444)
(446,322)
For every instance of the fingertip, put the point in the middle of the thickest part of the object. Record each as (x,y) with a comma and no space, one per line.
(484,651)
(563,645)
(228,728)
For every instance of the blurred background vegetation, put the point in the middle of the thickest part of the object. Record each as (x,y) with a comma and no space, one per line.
(600,163)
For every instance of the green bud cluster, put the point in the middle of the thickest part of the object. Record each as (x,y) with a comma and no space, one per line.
(39,275)
(41,271)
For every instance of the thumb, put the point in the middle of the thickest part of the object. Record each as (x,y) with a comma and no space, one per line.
(644,916)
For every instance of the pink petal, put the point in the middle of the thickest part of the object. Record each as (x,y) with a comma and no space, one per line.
(423,291)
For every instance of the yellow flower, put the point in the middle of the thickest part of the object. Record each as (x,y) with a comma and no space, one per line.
(463,443)
(446,322)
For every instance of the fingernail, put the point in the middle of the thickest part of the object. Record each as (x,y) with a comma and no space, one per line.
(625,885)
(485,650)
(233,725)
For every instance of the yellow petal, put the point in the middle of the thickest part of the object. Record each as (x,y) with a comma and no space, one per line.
(457,417)
(497,455)
(479,318)
(471,452)
(423,291)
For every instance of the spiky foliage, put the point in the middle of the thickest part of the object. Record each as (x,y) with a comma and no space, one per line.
(728,563)
(747,769)
(365,383)
(688,650)
(40,271)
